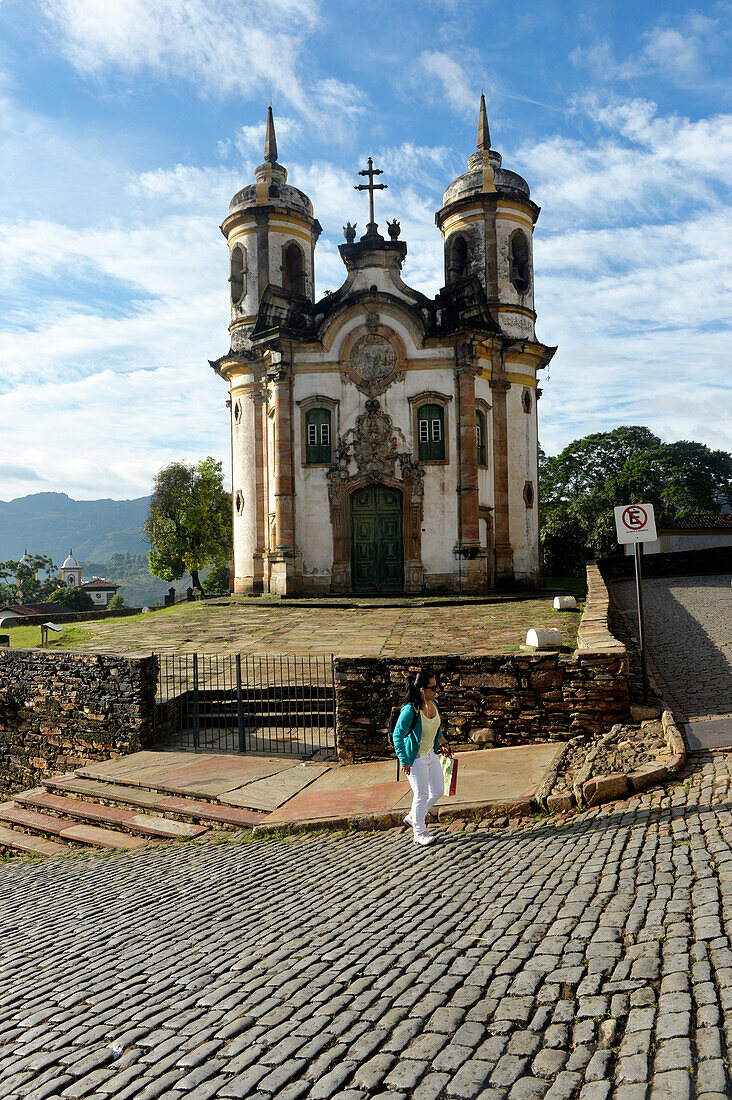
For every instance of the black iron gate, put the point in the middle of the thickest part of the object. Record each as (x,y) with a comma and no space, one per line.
(240,703)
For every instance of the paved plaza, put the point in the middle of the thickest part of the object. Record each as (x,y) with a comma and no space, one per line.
(588,959)
(247,626)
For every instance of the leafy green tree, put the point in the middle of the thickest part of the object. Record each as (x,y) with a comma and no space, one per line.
(116,602)
(189,523)
(76,599)
(20,581)
(217,579)
(629,465)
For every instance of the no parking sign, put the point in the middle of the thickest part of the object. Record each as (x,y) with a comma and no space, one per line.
(635,523)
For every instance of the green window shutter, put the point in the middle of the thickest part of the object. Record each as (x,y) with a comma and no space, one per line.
(480,435)
(317,436)
(431,433)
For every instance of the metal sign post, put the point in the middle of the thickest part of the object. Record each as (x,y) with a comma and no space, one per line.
(636,523)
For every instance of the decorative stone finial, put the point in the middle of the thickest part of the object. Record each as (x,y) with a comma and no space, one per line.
(484,134)
(394,228)
(270,140)
(349,232)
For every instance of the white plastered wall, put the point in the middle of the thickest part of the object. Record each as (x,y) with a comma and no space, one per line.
(244,480)
(313,525)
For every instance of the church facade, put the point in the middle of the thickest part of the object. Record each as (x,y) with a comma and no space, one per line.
(384,441)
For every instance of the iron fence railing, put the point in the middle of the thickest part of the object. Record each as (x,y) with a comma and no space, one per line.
(242,703)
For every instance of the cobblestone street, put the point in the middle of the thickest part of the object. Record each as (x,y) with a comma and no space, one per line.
(588,958)
(689,633)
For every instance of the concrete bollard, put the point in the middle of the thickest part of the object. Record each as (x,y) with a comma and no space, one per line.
(565,603)
(547,637)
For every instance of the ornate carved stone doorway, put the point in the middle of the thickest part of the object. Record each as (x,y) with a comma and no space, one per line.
(372,446)
(377,555)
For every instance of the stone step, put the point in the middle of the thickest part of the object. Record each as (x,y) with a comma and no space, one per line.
(196,809)
(109,815)
(19,841)
(29,819)
(66,829)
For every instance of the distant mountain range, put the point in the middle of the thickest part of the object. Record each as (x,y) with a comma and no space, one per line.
(54,523)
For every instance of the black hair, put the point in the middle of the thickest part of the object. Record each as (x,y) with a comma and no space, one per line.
(414,684)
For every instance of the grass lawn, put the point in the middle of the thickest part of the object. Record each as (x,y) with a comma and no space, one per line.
(241,625)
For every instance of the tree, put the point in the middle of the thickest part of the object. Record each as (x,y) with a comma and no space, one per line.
(76,599)
(19,581)
(629,465)
(189,523)
(116,602)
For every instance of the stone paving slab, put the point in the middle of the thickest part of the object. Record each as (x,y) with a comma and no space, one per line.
(709,733)
(588,959)
(497,775)
(314,805)
(207,775)
(99,837)
(92,788)
(35,845)
(274,790)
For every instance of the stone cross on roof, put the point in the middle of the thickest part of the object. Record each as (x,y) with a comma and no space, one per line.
(371,187)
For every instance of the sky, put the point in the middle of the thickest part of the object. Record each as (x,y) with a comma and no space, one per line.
(127,125)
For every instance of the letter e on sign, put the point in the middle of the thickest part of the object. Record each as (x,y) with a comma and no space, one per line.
(635,523)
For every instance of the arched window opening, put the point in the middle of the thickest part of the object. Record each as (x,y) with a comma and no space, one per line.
(239,502)
(431,433)
(480,436)
(518,262)
(238,278)
(529,494)
(458,259)
(71,581)
(237,412)
(293,269)
(526,400)
(317,436)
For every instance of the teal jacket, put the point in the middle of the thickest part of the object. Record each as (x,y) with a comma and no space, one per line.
(406,744)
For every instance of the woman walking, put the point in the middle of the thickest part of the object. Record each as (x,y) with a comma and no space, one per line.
(417,739)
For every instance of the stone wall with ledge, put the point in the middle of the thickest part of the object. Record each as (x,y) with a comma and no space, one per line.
(495,699)
(60,711)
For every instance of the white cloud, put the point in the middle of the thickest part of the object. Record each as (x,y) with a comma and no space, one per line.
(451,77)
(231,48)
(228,48)
(186,185)
(683,51)
(643,165)
(94,434)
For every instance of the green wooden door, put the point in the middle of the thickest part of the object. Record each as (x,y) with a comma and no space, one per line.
(376,539)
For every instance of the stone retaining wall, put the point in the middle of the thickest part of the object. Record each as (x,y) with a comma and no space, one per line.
(494,700)
(60,711)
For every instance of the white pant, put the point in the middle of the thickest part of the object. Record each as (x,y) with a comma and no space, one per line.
(427,781)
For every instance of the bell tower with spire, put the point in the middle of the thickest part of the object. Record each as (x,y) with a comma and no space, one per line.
(271,233)
(487,221)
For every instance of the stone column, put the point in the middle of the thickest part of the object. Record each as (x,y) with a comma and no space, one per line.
(285,577)
(504,551)
(260,501)
(471,556)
